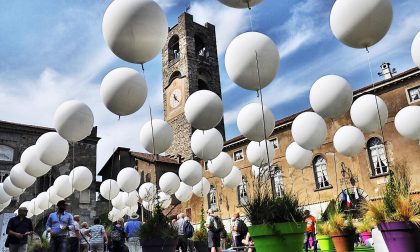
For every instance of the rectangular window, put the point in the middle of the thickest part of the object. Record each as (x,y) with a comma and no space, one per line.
(3,175)
(277,182)
(238,155)
(414,94)
(84,197)
(212,198)
(275,142)
(242,193)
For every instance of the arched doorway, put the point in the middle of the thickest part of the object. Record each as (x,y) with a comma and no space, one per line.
(350,201)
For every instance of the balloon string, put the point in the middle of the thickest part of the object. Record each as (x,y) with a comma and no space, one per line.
(151,119)
(250,16)
(336,174)
(72,182)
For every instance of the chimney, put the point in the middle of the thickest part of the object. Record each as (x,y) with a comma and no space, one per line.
(387,72)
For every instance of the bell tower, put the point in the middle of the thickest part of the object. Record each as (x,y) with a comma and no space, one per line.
(189,63)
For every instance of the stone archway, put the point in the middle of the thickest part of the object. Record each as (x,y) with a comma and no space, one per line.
(357,199)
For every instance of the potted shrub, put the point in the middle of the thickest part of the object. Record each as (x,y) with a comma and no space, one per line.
(398,215)
(342,232)
(200,236)
(323,236)
(364,228)
(276,222)
(157,234)
(38,245)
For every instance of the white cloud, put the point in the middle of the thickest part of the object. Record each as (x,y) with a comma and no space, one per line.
(166,4)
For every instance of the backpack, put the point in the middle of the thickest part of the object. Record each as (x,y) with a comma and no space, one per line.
(241,228)
(216,225)
(116,234)
(188,230)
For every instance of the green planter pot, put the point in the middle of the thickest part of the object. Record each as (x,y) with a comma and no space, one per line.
(325,242)
(286,237)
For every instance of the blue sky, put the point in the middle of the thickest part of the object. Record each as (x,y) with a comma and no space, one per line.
(53,50)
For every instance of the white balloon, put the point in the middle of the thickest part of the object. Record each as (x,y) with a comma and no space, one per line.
(360,23)
(164,200)
(53,198)
(233,179)
(135,31)
(349,141)
(256,153)
(73,120)
(63,186)
(309,130)
(415,50)
(81,178)
(221,165)
(184,192)
(241,60)
(52,148)
(204,109)
(147,191)
(407,122)
(169,183)
(109,189)
(251,124)
(261,173)
(161,138)
(123,91)
(31,163)
(149,206)
(4,197)
(202,188)
(118,202)
(11,189)
(33,207)
(331,96)
(131,199)
(42,201)
(364,113)
(4,205)
(115,214)
(207,144)
(240,3)
(190,172)
(297,156)
(128,179)
(130,210)
(20,178)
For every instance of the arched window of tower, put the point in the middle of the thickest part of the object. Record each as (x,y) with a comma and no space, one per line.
(173,48)
(175,75)
(200,47)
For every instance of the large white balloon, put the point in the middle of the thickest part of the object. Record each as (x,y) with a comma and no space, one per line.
(31,163)
(202,188)
(364,113)
(256,153)
(241,60)
(415,50)
(360,23)
(204,109)
(73,120)
(297,156)
(160,140)
(331,96)
(147,191)
(115,214)
(207,144)
(169,183)
(123,91)
(233,179)
(149,205)
(407,122)
(4,197)
(52,148)
(135,31)
(184,192)
(109,189)
(131,209)
(20,178)
(164,200)
(349,141)
(251,122)
(4,205)
(221,165)
(128,179)
(33,207)
(118,201)
(190,172)
(11,189)
(81,178)
(42,201)
(63,186)
(240,3)
(131,199)
(52,195)
(309,130)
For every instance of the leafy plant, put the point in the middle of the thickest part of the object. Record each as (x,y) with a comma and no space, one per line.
(38,245)
(338,223)
(398,184)
(158,226)
(366,225)
(323,228)
(201,233)
(406,209)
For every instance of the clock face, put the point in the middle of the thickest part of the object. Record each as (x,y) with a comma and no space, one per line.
(175,98)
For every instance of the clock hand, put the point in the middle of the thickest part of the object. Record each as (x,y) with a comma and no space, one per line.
(176,99)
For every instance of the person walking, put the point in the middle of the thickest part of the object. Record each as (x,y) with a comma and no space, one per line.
(214,227)
(310,230)
(74,235)
(58,225)
(84,237)
(118,236)
(188,233)
(182,241)
(239,230)
(98,239)
(131,229)
(18,229)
